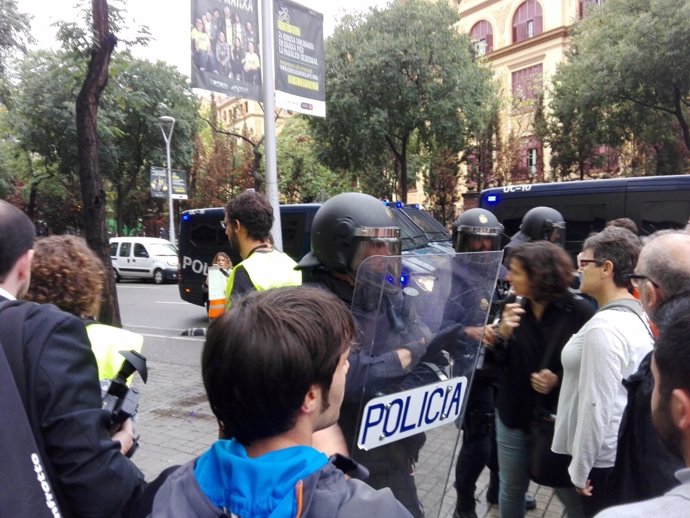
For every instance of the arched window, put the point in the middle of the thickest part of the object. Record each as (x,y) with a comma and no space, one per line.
(528,21)
(482,35)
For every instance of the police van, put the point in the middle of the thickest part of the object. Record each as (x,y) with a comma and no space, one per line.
(202,236)
(652,202)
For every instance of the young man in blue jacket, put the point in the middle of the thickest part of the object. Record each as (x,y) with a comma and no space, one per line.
(274,370)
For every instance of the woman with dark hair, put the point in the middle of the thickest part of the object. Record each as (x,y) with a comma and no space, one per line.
(534,327)
(596,360)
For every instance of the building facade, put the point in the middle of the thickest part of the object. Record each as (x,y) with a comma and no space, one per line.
(523,41)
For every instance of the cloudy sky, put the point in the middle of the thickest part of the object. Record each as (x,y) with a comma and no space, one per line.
(167,20)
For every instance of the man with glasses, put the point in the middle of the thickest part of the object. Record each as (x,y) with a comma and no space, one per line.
(644,468)
(248,221)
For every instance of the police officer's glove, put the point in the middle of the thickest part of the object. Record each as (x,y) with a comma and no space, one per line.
(417,348)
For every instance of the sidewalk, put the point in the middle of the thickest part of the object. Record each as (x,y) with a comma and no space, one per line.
(176,424)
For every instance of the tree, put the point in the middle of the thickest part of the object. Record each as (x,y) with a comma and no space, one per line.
(441,180)
(14,35)
(302,177)
(626,79)
(92,192)
(391,74)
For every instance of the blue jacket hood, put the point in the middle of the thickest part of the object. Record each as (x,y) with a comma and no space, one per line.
(261,487)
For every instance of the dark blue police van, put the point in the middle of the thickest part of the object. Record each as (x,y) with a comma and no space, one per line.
(652,202)
(201,237)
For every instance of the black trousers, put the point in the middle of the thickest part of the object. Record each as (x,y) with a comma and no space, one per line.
(478,443)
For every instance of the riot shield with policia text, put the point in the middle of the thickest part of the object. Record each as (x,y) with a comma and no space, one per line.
(418,317)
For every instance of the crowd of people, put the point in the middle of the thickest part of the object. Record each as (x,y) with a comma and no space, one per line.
(223,44)
(594,352)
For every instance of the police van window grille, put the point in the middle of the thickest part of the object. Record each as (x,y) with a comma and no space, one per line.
(660,215)
(206,235)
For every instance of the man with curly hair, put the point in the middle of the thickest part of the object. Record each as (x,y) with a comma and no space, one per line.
(55,372)
(248,221)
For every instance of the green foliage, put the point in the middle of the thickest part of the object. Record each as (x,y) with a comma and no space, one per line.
(130,138)
(302,178)
(14,36)
(626,79)
(393,73)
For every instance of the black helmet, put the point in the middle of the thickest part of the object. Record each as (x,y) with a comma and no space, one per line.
(348,228)
(475,229)
(543,224)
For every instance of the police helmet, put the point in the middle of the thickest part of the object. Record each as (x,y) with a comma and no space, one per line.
(477,230)
(347,229)
(544,224)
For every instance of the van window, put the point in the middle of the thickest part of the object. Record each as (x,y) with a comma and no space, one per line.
(139,250)
(124,249)
(292,226)
(113,249)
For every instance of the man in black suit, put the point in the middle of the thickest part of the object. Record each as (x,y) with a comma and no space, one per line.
(55,370)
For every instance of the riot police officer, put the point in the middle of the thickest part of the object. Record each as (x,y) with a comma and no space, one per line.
(348,229)
(478,230)
(539,224)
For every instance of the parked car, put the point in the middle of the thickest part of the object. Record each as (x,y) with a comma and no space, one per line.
(143,258)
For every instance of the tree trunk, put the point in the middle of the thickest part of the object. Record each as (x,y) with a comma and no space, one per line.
(93,195)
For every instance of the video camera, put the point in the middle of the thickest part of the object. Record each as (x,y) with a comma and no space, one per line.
(120,400)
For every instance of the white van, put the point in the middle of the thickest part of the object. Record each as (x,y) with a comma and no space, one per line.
(143,258)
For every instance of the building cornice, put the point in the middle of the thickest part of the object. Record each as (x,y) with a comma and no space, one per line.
(553,34)
(476,8)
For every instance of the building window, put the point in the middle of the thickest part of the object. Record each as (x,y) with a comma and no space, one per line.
(527,84)
(528,21)
(530,166)
(586,4)
(531,161)
(482,35)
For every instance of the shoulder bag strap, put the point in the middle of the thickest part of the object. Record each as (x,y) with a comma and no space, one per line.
(632,307)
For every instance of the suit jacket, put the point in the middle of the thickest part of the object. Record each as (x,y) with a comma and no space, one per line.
(63,402)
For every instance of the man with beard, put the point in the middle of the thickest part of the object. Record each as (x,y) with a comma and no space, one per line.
(644,468)
(248,222)
(670,410)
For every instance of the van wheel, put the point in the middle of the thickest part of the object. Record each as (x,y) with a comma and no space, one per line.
(158,276)
(116,275)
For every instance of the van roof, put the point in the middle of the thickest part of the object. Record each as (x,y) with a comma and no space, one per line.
(139,239)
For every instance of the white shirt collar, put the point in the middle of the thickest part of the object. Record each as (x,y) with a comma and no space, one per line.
(7,295)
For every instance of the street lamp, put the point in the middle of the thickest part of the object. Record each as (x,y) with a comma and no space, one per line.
(163,121)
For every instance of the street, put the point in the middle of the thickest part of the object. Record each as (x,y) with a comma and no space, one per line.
(176,424)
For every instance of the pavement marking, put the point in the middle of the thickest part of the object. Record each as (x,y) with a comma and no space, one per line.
(171,302)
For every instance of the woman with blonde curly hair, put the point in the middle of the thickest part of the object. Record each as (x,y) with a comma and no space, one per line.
(67,273)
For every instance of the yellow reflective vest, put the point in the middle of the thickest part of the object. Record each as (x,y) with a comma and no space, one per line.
(266,270)
(107,342)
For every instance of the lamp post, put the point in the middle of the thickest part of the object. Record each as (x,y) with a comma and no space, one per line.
(163,121)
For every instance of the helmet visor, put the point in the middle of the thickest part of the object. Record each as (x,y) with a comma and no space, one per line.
(556,234)
(477,240)
(371,241)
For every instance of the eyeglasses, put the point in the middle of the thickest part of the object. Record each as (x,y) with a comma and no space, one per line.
(224,224)
(636,279)
(584,262)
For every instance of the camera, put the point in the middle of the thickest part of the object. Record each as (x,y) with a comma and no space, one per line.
(120,400)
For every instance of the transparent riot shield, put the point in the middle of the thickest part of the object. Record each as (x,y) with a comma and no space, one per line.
(419,324)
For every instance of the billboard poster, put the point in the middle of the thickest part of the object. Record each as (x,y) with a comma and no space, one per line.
(159,183)
(225,47)
(299,58)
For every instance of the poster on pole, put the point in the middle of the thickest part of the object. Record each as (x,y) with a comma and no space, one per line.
(225,47)
(159,183)
(299,58)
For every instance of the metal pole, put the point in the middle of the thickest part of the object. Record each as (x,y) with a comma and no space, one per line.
(268,85)
(171,207)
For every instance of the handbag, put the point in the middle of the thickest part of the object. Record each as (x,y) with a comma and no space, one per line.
(546,467)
